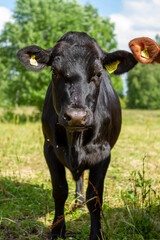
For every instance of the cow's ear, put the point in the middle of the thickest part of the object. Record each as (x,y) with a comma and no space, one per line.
(145,50)
(118,62)
(34,58)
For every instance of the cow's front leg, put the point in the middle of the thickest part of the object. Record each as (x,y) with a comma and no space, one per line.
(60,191)
(94,196)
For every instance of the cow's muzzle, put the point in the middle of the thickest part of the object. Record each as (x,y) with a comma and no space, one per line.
(75,119)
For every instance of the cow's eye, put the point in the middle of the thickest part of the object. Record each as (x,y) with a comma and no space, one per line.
(96,78)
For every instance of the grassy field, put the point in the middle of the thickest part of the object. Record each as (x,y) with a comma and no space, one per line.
(131,209)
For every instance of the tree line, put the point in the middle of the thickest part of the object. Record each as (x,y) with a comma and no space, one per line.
(42,23)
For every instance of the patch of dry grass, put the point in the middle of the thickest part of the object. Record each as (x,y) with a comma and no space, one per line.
(26,206)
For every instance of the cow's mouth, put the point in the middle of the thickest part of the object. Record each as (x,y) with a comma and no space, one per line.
(77,129)
(71,136)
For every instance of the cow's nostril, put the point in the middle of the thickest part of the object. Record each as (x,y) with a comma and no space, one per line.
(67,118)
(84,119)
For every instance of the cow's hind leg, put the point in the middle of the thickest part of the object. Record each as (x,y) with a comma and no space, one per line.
(60,191)
(79,191)
(94,196)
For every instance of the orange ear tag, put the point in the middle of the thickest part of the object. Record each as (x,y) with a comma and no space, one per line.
(33,61)
(112,66)
(145,53)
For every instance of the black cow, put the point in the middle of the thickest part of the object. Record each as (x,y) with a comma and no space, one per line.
(81,117)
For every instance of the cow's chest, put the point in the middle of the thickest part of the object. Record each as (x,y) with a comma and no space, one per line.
(77,157)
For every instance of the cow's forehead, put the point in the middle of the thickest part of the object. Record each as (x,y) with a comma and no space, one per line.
(77,55)
(81,52)
(77,50)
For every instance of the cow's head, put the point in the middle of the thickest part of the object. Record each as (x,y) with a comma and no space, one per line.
(77,64)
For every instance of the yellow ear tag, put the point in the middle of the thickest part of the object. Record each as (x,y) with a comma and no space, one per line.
(33,61)
(145,53)
(112,66)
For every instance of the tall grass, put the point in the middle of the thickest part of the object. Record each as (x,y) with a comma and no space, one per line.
(131,208)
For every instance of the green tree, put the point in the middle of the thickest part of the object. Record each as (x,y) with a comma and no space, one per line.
(42,23)
(144,87)
(157,39)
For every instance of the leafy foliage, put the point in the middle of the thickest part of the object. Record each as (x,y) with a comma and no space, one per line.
(157,39)
(144,87)
(42,23)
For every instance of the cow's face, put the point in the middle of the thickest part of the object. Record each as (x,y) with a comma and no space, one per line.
(77,63)
(76,76)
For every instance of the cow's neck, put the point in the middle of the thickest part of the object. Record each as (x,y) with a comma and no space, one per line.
(74,138)
(75,142)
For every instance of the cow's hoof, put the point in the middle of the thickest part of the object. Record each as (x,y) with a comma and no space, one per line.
(55,237)
(58,231)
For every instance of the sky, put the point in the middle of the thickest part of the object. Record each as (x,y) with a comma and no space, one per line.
(132,18)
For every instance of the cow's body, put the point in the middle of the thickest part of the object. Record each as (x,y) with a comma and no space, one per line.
(81,118)
(82,150)
(91,148)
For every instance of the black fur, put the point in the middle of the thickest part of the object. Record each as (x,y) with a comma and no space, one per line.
(81,118)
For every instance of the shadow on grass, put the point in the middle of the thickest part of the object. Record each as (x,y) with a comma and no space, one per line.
(131,222)
(21,207)
(27,211)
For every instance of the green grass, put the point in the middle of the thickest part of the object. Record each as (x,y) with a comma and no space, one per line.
(131,208)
